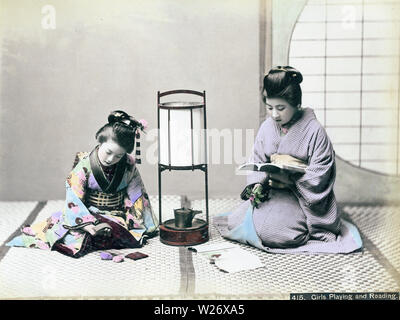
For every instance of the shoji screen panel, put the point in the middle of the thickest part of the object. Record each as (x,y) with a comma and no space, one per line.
(348,52)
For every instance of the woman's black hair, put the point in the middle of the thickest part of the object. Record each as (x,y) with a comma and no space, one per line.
(121,128)
(283,82)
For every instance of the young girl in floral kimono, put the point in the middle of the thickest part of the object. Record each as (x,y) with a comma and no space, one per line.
(286,212)
(106,202)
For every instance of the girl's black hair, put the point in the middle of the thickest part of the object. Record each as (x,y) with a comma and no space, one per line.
(283,82)
(121,128)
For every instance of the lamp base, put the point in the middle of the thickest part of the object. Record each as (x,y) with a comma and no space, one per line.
(184,237)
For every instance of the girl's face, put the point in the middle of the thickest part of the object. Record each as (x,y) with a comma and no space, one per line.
(280,110)
(110,153)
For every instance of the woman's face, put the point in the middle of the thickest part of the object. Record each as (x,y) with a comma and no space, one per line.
(280,110)
(110,153)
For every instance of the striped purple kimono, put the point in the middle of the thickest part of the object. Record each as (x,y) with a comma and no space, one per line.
(305,217)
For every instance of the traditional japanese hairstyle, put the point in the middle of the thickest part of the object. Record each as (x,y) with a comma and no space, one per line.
(283,82)
(123,129)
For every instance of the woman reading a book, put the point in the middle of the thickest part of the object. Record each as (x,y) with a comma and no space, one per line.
(284,210)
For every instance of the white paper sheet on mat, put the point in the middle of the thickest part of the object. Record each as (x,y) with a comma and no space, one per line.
(229,257)
(235,260)
(214,247)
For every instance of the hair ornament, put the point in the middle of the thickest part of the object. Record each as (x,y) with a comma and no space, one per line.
(122,117)
(144,124)
(125,119)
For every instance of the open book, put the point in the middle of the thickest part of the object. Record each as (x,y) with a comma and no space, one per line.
(272,167)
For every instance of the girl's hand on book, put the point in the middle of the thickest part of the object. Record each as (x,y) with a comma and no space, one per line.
(286,159)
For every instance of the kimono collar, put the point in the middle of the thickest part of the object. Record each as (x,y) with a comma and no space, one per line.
(285,127)
(98,173)
(299,126)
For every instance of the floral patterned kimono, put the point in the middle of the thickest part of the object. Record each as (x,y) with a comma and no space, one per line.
(130,217)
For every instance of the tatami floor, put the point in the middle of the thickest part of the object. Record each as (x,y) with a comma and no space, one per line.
(178,273)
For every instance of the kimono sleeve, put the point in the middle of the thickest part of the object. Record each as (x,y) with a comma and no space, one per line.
(316,185)
(135,186)
(258,156)
(75,211)
(140,202)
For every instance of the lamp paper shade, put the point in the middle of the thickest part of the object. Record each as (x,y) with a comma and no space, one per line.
(182,134)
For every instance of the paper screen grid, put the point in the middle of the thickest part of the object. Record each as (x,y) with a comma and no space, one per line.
(348,52)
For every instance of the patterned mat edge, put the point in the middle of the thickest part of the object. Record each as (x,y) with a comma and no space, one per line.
(374,250)
(29,219)
(187,285)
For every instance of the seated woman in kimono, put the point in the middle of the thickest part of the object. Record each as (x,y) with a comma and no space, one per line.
(106,202)
(290,212)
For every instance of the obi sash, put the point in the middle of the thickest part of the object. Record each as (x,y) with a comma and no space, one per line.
(105,201)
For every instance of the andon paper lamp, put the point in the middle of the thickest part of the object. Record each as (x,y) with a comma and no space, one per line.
(182,145)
